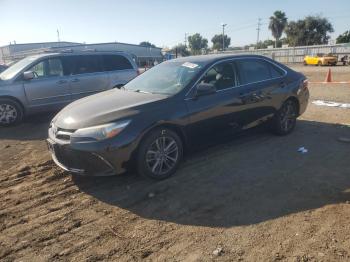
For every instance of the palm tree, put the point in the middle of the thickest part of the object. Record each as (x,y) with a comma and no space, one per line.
(278,23)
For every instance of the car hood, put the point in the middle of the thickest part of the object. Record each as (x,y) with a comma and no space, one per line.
(103,108)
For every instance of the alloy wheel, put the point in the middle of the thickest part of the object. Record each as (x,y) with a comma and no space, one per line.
(288,116)
(8,114)
(162,155)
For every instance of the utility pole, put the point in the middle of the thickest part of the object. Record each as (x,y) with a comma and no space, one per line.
(223,36)
(58,36)
(186,40)
(258,29)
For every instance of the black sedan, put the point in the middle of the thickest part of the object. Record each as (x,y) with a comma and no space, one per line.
(179,104)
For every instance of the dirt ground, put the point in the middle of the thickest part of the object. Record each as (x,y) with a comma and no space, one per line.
(253,198)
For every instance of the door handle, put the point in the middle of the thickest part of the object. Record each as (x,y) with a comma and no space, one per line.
(283,84)
(60,82)
(257,97)
(75,80)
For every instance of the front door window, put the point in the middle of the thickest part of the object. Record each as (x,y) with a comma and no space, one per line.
(48,68)
(222,76)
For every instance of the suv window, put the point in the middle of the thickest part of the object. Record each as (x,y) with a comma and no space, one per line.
(38,69)
(84,64)
(222,76)
(48,68)
(116,62)
(253,70)
(55,67)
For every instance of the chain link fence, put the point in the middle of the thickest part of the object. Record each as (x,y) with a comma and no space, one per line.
(297,54)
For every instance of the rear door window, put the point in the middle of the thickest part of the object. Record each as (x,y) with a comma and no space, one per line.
(253,70)
(116,62)
(85,64)
(275,72)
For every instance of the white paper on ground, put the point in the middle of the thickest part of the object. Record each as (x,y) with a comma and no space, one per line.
(303,150)
(331,104)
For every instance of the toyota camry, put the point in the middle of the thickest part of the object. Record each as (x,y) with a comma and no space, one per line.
(150,122)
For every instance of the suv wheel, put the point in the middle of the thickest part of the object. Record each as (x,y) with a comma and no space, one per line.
(284,120)
(11,112)
(160,154)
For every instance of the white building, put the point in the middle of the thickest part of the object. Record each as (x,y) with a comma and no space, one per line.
(142,55)
(8,52)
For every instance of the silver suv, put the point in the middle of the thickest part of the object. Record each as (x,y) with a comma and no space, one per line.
(48,82)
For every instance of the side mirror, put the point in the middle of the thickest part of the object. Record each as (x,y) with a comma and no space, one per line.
(28,75)
(205,89)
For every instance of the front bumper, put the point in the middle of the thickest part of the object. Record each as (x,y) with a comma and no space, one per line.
(94,158)
(80,162)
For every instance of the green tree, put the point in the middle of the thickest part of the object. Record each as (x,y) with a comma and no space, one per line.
(147,44)
(181,50)
(197,43)
(266,43)
(217,42)
(344,38)
(313,30)
(278,23)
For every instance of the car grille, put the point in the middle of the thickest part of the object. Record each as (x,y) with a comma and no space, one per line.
(89,162)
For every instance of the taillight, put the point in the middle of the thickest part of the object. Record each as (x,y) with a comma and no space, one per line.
(303,88)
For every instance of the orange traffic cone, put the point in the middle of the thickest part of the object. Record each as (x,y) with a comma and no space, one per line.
(329,76)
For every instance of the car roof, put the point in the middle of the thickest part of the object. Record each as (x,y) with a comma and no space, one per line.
(214,57)
(65,53)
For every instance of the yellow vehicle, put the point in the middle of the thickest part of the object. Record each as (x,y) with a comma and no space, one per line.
(321,59)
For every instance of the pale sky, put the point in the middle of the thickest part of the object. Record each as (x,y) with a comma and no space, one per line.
(163,23)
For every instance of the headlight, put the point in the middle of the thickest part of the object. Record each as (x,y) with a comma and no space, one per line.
(101,132)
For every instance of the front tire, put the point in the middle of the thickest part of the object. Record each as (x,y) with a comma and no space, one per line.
(284,120)
(160,154)
(11,112)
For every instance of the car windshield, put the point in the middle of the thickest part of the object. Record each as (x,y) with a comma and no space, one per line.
(167,78)
(13,70)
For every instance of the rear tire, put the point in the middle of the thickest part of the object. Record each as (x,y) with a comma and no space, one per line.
(11,112)
(284,120)
(160,154)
